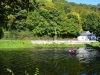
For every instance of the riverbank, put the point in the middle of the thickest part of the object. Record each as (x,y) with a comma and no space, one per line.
(44,44)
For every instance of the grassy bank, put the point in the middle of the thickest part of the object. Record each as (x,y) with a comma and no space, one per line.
(15,44)
(28,44)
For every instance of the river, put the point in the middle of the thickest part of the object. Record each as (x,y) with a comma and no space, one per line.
(49,62)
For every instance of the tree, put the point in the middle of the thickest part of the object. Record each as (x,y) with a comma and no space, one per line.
(43,21)
(75,16)
(91,23)
(98,30)
(9,9)
(59,1)
(68,28)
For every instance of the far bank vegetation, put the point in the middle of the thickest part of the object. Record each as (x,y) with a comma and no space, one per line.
(45,19)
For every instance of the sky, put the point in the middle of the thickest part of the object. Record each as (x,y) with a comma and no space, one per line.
(92,2)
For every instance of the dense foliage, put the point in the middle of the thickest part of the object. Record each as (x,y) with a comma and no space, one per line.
(48,17)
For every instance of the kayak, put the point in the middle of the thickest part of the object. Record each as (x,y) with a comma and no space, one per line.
(72,51)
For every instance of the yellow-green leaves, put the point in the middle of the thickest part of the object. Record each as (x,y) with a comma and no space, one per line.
(77,15)
(7,6)
(48,1)
(10,16)
(10,20)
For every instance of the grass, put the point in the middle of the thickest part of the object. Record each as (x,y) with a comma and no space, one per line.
(15,44)
(57,45)
(28,44)
(95,44)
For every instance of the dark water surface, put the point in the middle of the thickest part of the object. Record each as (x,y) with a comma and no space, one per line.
(48,61)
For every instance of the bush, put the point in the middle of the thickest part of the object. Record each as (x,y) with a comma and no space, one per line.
(15,35)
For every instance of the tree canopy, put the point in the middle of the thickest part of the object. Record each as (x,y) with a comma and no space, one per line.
(41,17)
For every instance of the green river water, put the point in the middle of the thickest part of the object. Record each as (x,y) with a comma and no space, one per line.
(47,61)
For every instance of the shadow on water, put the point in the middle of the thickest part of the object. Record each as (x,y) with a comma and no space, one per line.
(48,61)
(96,47)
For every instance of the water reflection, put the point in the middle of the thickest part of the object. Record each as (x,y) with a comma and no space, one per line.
(49,62)
(85,55)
